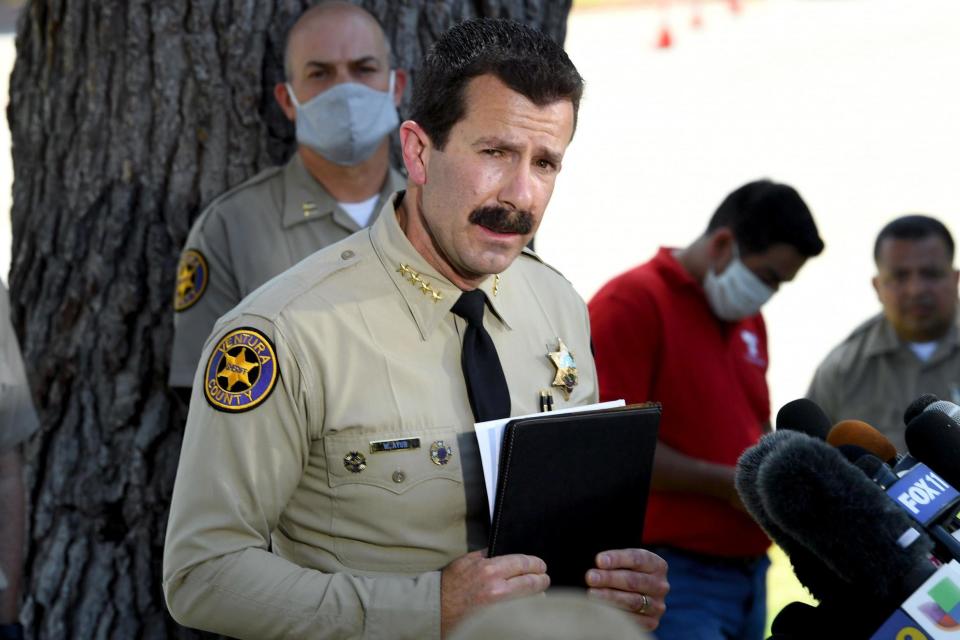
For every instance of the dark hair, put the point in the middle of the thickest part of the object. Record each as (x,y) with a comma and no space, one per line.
(763,213)
(914,227)
(523,58)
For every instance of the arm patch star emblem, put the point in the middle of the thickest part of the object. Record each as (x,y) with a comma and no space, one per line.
(241,372)
(192,277)
(566,378)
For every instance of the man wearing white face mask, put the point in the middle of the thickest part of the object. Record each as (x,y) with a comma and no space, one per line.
(342,96)
(684,329)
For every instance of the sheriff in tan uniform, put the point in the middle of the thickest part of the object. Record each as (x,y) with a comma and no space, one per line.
(245,237)
(342,95)
(329,484)
(325,423)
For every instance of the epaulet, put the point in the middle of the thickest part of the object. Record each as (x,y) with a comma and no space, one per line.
(278,293)
(254,180)
(532,255)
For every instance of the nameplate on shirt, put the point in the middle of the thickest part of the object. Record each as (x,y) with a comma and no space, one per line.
(403,444)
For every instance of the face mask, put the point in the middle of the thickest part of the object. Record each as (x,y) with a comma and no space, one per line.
(737,293)
(346,123)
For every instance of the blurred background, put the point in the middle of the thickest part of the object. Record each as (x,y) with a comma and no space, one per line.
(853,102)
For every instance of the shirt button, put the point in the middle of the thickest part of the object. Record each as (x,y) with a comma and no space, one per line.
(399,476)
(346,255)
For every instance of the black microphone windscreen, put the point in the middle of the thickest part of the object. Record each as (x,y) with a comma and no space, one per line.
(917,406)
(877,470)
(809,490)
(805,416)
(853,452)
(946,407)
(809,569)
(934,439)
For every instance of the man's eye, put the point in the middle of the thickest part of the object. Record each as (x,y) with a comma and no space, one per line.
(493,153)
(546,165)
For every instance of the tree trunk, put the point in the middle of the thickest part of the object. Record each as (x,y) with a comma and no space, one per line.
(127,117)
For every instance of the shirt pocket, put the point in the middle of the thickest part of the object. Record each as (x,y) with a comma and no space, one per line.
(405,509)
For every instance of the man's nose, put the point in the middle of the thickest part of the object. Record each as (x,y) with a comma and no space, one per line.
(519,191)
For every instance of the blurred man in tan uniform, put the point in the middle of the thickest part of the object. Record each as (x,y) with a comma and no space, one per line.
(912,346)
(18,421)
(329,483)
(342,95)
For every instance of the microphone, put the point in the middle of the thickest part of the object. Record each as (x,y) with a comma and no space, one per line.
(810,491)
(877,470)
(810,570)
(863,435)
(805,416)
(934,438)
(918,405)
(922,494)
(948,408)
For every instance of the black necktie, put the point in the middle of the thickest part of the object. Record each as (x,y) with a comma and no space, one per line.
(486,385)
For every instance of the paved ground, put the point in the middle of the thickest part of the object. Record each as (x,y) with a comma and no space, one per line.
(855,102)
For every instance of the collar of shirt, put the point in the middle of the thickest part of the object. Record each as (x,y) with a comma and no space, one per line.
(305,199)
(673,271)
(419,284)
(883,339)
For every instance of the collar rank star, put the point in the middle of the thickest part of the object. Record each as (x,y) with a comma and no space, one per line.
(192,276)
(425,287)
(566,377)
(241,372)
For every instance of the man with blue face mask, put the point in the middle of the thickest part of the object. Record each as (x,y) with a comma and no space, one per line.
(342,95)
(685,329)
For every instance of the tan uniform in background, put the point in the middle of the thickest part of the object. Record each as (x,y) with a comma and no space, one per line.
(330,420)
(18,419)
(873,376)
(245,237)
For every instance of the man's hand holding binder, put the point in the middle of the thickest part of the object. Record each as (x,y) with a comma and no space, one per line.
(566,485)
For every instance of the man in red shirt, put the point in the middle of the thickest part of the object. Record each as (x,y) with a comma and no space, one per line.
(684,329)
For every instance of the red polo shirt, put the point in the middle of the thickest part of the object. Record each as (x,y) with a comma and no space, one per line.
(656,338)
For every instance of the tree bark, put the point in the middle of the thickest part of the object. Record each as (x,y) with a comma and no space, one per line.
(127,117)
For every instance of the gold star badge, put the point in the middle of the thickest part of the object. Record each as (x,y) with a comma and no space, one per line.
(566,378)
(237,369)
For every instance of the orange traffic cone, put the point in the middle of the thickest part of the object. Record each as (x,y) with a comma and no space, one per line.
(665,40)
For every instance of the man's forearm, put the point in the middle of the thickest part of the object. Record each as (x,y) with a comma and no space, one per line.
(11,532)
(675,471)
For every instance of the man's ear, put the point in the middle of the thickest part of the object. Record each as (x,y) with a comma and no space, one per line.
(282,95)
(399,84)
(875,281)
(416,146)
(720,244)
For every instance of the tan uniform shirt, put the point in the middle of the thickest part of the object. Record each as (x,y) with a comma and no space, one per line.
(355,456)
(18,419)
(873,376)
(245,237)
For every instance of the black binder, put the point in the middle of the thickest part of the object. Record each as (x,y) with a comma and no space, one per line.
(573,485)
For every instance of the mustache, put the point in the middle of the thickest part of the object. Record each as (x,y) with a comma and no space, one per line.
(502,220)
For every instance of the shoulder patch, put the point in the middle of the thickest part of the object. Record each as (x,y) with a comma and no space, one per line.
(241,372)
(192,277)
